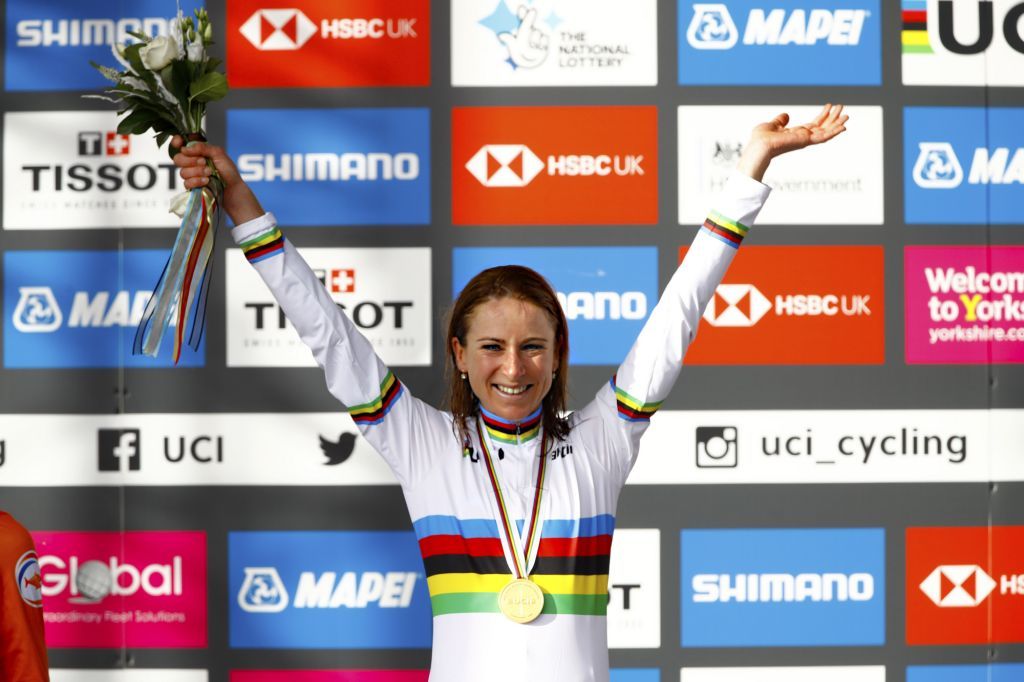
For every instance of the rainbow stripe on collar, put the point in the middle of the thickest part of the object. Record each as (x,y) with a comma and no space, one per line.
(504,431)
(724,229)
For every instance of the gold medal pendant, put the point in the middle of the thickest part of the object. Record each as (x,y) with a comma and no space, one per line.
(521,600)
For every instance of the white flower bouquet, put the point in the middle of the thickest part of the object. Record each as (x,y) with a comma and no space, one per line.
(165,86)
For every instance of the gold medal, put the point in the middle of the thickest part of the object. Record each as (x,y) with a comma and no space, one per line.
(521,600)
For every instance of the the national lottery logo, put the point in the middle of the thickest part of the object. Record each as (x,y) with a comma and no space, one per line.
(958,586)
(937,166)
(525,37)
(37,311)
(30,582)
(262,591)
(278,29)
(712,27)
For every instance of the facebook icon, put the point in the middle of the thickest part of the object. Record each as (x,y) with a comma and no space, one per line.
(119,449)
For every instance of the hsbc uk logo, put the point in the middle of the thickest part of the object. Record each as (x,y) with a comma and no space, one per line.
(937,166)
(290,29)
(957,586)
(516,165)
(743,305)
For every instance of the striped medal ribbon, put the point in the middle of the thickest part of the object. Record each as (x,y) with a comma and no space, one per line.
(521,600)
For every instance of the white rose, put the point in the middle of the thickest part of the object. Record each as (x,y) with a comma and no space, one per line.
(179,203)
(158,53)
(195,51)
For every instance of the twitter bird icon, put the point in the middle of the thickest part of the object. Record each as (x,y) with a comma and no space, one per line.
(336,453)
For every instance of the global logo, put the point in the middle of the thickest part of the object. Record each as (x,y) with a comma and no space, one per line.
(712,28)
(958,586)
(505,165)
(262,591)
(30,582)
(37,311)
(278,29)
(736,305)
(937,166)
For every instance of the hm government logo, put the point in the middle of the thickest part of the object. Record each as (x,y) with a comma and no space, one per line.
(505,165)
(525,37)
(37,311)
(937,166)
(278,29)
(958,586)
(737,305)
(712,27)
(262,591)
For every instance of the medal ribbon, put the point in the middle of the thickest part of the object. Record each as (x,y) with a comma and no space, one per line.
(506,521)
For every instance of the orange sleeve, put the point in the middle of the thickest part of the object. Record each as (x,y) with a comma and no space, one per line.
(22,641)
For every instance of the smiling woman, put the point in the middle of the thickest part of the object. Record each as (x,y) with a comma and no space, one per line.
(513,503)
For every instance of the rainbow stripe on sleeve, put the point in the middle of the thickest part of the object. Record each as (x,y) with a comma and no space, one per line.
(374,411)
(630,408)
(724,229)
(264,245)
(466,566)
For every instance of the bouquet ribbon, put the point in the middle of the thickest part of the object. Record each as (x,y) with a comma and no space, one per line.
(179,295)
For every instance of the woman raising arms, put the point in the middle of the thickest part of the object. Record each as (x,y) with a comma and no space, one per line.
(512,502)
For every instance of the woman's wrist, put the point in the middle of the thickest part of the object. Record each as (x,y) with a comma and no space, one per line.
(754,160)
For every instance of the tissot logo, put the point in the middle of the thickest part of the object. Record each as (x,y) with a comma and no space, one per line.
(278,29)
(120,450)
(958,586)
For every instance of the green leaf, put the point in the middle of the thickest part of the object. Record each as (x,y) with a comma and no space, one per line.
(162,137)
(181,77)
(211,64)
(139,35)
(210,87)
(139,121)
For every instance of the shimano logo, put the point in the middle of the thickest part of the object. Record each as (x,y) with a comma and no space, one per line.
(322,167)
(74,32)
(783,587)
(603,305)
(937,166)
(712,27)
(957,586)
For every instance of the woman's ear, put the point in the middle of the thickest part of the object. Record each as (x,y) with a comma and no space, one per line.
(458,352)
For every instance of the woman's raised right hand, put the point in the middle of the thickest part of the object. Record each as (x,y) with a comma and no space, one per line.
(238,199)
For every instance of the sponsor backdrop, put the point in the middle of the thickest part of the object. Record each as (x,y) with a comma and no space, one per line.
(835,489)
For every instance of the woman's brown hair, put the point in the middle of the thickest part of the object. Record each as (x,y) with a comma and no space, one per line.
(521,284)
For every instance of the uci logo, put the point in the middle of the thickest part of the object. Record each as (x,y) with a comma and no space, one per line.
(712,28)
(937,166)
(37,311)
(985,30)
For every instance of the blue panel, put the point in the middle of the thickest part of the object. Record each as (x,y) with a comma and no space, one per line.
(792,587)
(336,166)
(609,291)
(81,308)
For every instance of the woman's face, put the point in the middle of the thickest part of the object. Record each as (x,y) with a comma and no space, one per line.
(509,356)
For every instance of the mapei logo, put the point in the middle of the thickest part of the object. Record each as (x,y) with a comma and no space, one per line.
(712,27)
(938,167)
(30,582)
(278,29)
(37,311)
(262,591)
(958,586)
